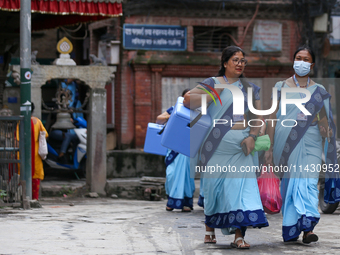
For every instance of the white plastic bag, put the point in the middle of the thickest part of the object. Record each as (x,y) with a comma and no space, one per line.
(42,145)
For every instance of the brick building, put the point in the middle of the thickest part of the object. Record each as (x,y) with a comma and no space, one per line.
(148,81)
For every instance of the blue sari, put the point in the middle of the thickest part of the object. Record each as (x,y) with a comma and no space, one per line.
(299,149)
(179,186)
(200,201)
(231,200)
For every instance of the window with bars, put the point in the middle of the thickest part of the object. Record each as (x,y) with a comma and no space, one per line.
(213,39)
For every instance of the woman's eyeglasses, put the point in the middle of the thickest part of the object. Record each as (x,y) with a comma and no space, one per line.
(242,62)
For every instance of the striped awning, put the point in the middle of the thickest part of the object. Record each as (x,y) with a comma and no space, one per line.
(106,8)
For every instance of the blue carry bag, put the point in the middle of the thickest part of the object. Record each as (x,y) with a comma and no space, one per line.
(185,130)
(153,138)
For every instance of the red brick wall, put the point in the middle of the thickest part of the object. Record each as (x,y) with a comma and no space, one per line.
(144,105)
(125,96)
(143,102)
(289,35)
(118,87)
(142,84)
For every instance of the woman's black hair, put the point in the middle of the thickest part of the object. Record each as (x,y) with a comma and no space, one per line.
(32,107)
(227,53)
(307,48)
(184,92)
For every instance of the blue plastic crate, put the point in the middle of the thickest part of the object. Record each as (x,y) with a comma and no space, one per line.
(178,136)
(152,142)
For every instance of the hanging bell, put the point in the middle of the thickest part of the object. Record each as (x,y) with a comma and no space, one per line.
(63,121)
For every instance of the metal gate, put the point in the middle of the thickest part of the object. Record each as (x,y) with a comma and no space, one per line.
(10,148)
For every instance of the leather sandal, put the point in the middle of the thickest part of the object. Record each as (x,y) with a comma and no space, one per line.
(310,237)
(186,209)
(211,239)
(241,245)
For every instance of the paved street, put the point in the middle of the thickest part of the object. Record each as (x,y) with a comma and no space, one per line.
(109,226)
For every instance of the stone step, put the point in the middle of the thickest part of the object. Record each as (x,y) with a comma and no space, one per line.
(58,188)
(127,188)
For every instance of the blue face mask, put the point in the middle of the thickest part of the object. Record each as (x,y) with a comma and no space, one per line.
(301,68)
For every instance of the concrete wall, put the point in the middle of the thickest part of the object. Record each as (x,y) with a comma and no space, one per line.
(134,163)
(96,77)
(96,141)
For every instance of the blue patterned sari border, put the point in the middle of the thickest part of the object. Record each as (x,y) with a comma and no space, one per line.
(238,219)
(304,223)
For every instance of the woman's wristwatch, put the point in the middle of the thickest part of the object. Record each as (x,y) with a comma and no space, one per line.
(253,136)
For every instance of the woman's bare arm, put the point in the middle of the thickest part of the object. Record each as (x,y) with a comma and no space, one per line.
(249,141)
(256,130)
(162,118)
(193,98)
(324,128)
(268,156)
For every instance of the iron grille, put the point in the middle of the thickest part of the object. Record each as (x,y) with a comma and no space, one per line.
(212,39)
(9,158)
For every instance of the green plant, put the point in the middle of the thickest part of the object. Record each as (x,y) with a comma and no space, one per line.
(3,193)
(65,190)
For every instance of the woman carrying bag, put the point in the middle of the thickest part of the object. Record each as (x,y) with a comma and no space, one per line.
(300,148)
(37,164)
(231,200)
(36,160)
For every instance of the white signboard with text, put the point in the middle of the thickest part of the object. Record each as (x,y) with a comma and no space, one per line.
(267,36)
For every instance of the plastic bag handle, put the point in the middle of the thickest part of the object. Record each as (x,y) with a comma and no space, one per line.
(197,118)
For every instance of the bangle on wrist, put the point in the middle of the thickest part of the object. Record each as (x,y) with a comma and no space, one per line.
(253,136)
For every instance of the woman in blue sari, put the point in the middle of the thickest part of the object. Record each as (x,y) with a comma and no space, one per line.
(297,145)
(231,199)
(179,186)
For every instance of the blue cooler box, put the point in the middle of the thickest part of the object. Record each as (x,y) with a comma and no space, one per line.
(152,142)
(178,136)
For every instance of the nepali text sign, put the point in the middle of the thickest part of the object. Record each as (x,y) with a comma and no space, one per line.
(267,36)
(154,37)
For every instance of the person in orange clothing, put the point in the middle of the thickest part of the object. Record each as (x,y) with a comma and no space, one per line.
(37,164)
(36,161)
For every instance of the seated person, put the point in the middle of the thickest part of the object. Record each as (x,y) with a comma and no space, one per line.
(66,136)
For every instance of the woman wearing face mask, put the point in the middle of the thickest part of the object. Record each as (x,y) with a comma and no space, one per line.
(299,147)
(231,196)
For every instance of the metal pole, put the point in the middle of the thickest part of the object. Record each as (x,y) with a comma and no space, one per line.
(25,89)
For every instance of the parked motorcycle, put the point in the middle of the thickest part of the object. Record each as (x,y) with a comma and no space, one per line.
(76,159)
(327,208)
